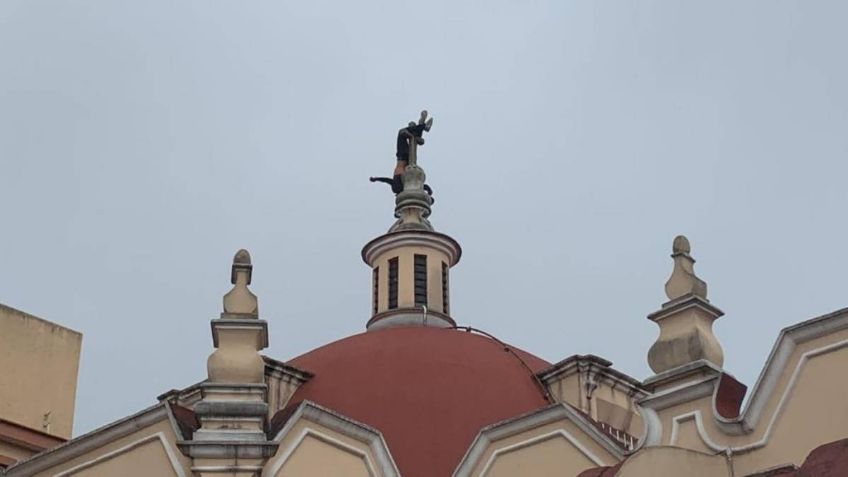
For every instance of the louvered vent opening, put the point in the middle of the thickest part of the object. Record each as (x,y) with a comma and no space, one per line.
(445,303)
(420,280)
(376,286)
(393,283)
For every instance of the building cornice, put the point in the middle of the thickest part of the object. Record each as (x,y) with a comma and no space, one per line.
(409,317)
(91,441)
(684,303)
(535,419)
(600,367)
(439,241)
(688,373)
(285,371)
(778,361)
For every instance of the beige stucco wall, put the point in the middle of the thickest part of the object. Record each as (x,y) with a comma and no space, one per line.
(673,462)
(555,449)
(406,277)
(315,457)
(147,452)
(280,390)
(547,458)
(310,449)
(609,403)
(568,389)
(812,412)
(145,460)
(39,362)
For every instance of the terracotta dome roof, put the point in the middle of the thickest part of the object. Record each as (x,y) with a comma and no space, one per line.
(428,390)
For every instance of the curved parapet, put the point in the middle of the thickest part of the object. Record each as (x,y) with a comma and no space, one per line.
(793,401)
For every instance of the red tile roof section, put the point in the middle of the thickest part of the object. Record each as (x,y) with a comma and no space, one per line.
(21,436)
(729,396)
(24,436)
(6,461)
(606,471)
(828,460)
(186,420)
(782,471)
(429,391)
(279,420)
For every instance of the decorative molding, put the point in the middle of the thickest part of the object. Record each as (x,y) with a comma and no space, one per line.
(690,370)
(226,469)
(311,412)
(273,369)
(699,424)
(409,317)
(528,422)
(281,461)
(762,393)
(245,324)
(90,441)
(684,303)
(651,429)
(599,367)
(159,436)
(287,372)
(436,240)
(784,398)
(681,394)
(535,440)
(778,359)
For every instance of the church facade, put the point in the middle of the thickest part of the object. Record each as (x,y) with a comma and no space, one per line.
(418,395)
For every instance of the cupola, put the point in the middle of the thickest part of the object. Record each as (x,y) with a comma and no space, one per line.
(410,264)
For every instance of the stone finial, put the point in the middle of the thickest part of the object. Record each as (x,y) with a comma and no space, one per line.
(681,245)
(412,205)
(683,280)
(685,321)
(241,262)
(233,409)
(238,334)
(240,300)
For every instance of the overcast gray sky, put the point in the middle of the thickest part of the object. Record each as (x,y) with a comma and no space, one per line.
(143,143)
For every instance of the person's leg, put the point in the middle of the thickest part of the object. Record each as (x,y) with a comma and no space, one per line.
(397,184)
(429,192)
(384,180)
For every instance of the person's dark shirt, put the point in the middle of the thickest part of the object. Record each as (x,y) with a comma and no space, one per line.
(403,140)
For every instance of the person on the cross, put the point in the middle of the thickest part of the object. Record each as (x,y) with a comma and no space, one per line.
(412,132)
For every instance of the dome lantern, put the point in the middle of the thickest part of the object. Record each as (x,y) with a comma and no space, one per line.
(411,263)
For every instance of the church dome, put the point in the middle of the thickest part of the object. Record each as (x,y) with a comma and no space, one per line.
(428,390)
